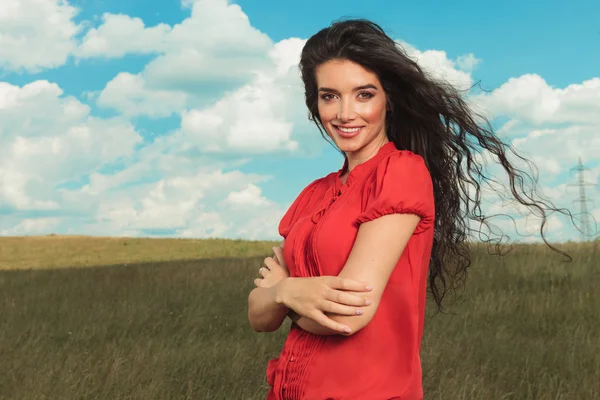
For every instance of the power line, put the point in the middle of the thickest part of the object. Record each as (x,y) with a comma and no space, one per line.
(583,200)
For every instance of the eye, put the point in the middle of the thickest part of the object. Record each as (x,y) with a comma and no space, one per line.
(326,96)
(367,95)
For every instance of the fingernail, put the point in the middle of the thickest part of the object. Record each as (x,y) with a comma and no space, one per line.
(347,330)
(369,288)
(368,302)
(359,312)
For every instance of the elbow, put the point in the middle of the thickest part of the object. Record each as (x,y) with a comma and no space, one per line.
(253,323)
(259,327)
(252,317)
(263,328)
(354,323)
(256,324)
(258,321)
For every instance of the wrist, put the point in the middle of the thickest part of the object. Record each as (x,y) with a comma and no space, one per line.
(279,291)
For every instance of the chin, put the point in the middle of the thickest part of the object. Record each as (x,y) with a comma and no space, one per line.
(344,144)
(348,147)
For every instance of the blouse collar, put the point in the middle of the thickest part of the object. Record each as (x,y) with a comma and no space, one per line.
(364,167)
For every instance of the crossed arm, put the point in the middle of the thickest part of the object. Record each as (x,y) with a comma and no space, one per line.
(310,302)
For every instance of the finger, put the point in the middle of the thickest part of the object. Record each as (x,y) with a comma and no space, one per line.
(327,322)
(258,282)
(337,282)
(346,298)
(279,254)
(336,308)
(276,256)
(272,264)
(263,272)
(268,262)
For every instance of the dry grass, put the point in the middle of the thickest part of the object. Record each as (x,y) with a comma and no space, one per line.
(55,251)
(525,329)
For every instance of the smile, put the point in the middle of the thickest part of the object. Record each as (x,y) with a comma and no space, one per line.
(347,132)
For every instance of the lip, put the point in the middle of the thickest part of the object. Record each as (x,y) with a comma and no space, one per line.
(347,135)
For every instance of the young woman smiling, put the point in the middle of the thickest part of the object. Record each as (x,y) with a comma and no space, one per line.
(364,244)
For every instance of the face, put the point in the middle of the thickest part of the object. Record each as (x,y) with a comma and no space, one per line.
(352,106)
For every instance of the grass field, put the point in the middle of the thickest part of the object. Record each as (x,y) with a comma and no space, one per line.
(81,251)
(526,327)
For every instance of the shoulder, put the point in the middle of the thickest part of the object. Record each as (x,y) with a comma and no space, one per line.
(405,158)
(303,202)
(399,183)
(317,185)
(401,166)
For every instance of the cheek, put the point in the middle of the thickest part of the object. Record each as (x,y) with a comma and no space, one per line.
(326,112)
(326,115)
(373,112)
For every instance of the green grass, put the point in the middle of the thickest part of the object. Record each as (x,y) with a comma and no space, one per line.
(526,328)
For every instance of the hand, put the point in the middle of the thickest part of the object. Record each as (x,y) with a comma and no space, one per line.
(274,270)
(278,250)
(314,296)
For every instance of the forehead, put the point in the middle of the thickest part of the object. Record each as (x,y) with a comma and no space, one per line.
(344,74)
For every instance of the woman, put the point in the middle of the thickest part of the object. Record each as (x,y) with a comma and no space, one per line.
(363,244)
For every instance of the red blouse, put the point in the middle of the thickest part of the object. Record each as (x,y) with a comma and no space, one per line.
(382,360)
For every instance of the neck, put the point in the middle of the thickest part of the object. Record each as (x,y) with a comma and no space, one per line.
(360,156)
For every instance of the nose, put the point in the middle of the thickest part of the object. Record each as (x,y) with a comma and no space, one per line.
(345,110)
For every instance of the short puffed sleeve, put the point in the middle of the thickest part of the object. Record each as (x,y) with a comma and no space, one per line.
(295,210)
(400,184)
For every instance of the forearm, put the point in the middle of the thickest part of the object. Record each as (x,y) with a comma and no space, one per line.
(265,314)
(311,326)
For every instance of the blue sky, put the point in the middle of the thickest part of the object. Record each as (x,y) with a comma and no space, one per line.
(144,119)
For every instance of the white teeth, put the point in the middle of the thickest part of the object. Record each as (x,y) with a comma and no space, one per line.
(348,130)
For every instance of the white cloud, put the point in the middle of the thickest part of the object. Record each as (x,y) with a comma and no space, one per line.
(187,3)
(36,34)
(259,117)
(47,139)
(204,204)
(213,51)
(250,195)
(530,100)
(250,120)
(467,62)
(31,226)
(238,95)
(436,64)
(206,225)
(215,48)
(120,35)
(167,186)
(128,94)
(527,229)
(215,29)
(551,126)
(595,223)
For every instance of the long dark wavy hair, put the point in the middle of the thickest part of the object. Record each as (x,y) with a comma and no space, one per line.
(429,117)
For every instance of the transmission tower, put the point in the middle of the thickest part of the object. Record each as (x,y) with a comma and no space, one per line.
(583,200)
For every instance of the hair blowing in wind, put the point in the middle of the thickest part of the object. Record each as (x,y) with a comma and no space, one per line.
(430,118)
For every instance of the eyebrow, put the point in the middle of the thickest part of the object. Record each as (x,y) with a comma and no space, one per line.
(367,86)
